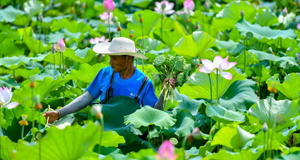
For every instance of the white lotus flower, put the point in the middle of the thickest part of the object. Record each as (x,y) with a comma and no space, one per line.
(5,98)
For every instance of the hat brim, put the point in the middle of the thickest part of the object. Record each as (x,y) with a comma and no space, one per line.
(102,48)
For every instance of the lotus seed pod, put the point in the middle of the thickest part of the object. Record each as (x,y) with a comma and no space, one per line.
(174,141)
(32,85)
(38,106)
(279,119)
(33,78)
(265,127)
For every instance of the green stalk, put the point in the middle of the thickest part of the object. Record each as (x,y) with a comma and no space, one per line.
(40,137)
(101,133)
(14,74)
(264,145)
(109,26)
(32,115)
(183,146)
(161,27)
(269,121)
(272,139)
(217,88)
(148,137)
(245,55)
(63,87)
(143,45)
(210,97)
(54,60)
(22,132)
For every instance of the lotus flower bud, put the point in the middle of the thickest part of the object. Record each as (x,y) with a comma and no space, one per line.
(109,5)
(206,5)
(284,11)
(163,5)
(189,5)
(265,127)
(242,13)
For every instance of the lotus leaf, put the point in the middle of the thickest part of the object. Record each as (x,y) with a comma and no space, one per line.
(147,116)
(194,45)
(9,14)
(198,85)
(223,115)
(7,147)
(290,87)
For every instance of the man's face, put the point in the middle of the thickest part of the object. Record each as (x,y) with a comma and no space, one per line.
(118,63)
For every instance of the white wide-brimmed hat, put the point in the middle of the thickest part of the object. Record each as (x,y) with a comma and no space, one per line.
(118,46)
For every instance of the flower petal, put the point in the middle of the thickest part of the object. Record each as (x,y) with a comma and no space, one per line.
(217,61)
(208,64)
(169,6)
(223,66)
(226,75)
(6,96)
(169,12)
(205,70)
(12,105)
(231,64)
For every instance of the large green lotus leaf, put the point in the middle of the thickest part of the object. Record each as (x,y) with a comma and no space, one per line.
(80,55)
(150,18)
(72,26)
(223,115)
(43,88)
(86,73)
(232,47)
(198,85)
(233,137)
(187,104)
(114,111)
(64,33)
(239,96)
(290,87)
(33,8)
(183,126)
(194,45)
(149,116)
(248,154)
(250,59)
(141,3)
(170,38)
(265,17)
(7,146)
(36,46)
(9,14)
(263,33)
(291,156)
(70,143)
(8,48)
(231,13)
(14,62)
(25,73)
(50,57)
(287,109)
(263,55)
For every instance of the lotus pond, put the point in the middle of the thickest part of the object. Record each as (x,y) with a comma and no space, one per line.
(237,65)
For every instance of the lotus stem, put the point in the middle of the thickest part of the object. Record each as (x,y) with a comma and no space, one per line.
(274,125)
(217,88)
(269,121)
(245,54)
(63,87)
(143,44)
(101,133)
(148,137)
(22,132)
(210,97)
(264,145)
(32,116)
(40,137)
(109,26)
(54,60)
(183,146)
(0,126)
(161,27)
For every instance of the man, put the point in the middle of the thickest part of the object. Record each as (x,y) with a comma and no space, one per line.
(120,78)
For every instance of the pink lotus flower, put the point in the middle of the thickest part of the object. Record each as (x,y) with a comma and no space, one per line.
(189,5)
(164,7)
(109,5)
(98,40)
(298,26)
(104,17)
(166,151)
(60,46)
(5,98)
(219,65)
(284,11)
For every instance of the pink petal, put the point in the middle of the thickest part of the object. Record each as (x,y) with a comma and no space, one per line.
(169,12)
(12,105)
(217,61)
(205,70)
(223,66)
(166,151)
(92,41)
(231,64)
(6,96)
(208,64)
(169,6)
(226,75)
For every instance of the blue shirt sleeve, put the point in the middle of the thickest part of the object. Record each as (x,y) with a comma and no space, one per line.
(149,97)
(94,87)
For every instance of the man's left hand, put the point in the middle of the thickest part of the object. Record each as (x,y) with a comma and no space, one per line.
(172,81)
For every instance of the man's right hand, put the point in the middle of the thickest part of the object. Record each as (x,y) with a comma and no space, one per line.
(53,115)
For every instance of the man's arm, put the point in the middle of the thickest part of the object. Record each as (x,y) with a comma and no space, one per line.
(76,105)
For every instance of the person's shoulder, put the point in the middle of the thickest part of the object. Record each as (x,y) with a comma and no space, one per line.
(106,70)
(142,75)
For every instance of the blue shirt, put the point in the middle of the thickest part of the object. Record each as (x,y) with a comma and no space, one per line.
(125,87)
